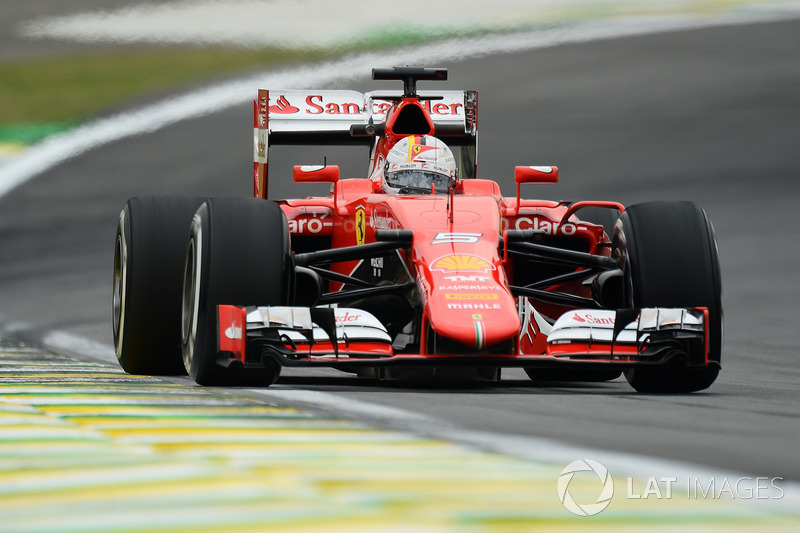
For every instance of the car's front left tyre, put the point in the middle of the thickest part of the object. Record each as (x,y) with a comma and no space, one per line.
(669,257)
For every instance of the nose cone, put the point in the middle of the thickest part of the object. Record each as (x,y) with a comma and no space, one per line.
(477,315)
(478,329)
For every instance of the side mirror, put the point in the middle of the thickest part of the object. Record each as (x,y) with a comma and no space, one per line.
(536,174)
(316,173)
(531,175)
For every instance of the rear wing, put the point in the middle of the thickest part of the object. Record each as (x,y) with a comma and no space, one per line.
(339,117)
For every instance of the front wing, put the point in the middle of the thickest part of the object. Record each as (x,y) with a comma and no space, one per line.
(255,337)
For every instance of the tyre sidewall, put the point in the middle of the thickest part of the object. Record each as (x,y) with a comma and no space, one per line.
(151,235)
(669,258)
(242,247)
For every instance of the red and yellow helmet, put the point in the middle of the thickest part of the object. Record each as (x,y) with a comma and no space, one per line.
(417,164)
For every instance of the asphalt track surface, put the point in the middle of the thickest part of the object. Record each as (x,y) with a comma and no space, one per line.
(711,116)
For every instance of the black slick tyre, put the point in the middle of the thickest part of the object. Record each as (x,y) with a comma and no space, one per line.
(670,259)
(148,278)
(238,253)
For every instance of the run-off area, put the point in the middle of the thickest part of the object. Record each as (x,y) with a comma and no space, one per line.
(100,449)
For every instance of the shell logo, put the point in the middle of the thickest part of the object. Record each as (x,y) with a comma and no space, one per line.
(462,262)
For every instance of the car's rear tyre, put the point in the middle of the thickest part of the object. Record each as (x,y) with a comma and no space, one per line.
(552,375)
(669,259)
(237,254)
(148,276)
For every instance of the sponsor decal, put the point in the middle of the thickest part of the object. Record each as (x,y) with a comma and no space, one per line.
(461,262)
(591,319)
(262,107)
(484,307)
(322,104)
(311,168)
(381,221)
(380,107)
(307,226)
(348,317)
(471,296)
(361,218)
(417,149)
(261,151)
(446,238)
(377,266)
(317,106)
(543,170)
(442,108)
(544,226)
(477,316)
(234,332)
(283,107)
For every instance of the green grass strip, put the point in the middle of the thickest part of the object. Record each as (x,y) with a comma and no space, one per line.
(33,132)
(45,96)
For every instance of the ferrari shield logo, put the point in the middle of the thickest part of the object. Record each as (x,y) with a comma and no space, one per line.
(361,218)
(417,149)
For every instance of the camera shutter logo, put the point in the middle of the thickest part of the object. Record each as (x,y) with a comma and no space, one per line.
(586,509)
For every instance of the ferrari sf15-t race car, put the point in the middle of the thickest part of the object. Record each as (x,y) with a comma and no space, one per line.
(419,269)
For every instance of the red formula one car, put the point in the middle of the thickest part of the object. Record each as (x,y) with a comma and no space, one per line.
(418,270)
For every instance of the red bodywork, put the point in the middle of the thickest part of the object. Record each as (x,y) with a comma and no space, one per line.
(458,264)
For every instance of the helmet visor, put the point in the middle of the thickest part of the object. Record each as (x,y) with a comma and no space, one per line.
(417,179)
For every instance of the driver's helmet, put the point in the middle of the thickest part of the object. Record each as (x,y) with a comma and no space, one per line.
(416,164)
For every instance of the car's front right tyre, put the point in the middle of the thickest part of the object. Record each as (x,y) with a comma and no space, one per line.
(238,253)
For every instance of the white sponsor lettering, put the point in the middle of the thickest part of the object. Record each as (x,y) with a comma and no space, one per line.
(444,238)
(315,225)
(381,222)
(545,226)
(307,225)
(475,306)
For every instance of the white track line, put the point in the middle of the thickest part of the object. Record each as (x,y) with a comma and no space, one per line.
(56,149)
